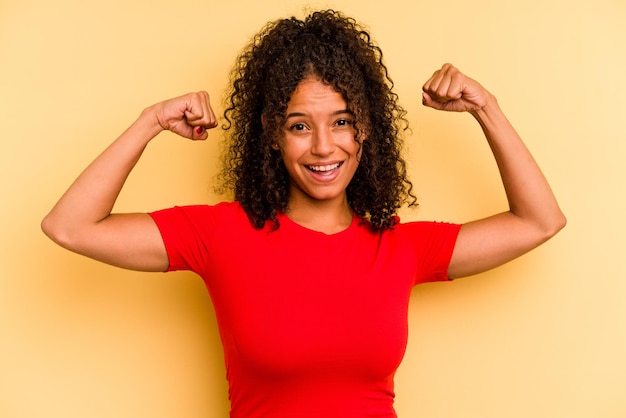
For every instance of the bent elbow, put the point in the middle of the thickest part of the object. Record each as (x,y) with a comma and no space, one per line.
(47,226)
(557,223)
(54,230)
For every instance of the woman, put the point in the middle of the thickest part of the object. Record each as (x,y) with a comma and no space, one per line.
(309,269)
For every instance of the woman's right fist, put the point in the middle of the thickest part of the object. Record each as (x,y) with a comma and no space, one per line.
(189,115)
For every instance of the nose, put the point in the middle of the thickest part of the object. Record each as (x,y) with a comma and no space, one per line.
(323,142)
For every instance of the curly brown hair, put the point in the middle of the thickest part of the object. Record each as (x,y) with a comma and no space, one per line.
(338,51)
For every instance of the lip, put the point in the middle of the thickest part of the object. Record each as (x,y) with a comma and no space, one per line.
(324,172)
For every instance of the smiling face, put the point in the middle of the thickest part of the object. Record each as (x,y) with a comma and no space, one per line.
(318,145)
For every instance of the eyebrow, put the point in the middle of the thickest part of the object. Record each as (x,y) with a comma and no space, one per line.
(335,113)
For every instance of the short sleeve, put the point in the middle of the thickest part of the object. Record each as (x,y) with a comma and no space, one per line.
(185,231)
(433,244)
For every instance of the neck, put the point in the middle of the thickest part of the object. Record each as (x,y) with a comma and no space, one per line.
(329,217)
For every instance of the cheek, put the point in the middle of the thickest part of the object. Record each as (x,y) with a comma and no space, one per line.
(354,146)
(294,144)
(291,152)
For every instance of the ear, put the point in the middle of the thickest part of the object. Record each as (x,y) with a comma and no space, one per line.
(274,145)
(362,136)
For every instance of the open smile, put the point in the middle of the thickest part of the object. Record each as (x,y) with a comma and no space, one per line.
(324,169)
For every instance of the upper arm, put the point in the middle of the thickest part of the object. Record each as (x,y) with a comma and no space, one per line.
(487,243)
(131,241)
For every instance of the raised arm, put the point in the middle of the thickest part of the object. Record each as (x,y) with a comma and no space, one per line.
(82,221)
(533,216)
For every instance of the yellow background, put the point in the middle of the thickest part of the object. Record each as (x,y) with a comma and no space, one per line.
(544,336)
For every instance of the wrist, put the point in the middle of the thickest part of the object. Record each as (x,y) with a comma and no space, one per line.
(489,105)
(489,111)
(149,121)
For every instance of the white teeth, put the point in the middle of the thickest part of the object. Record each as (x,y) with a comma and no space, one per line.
(324,167)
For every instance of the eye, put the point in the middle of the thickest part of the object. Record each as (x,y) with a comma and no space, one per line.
(298,127)
(344,122)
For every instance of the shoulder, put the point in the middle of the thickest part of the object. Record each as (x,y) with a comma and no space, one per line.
(219,209)
(426,233)
(424,227)
(202,215)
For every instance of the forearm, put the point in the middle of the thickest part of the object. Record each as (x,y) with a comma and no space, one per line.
(91,197)
(529,195)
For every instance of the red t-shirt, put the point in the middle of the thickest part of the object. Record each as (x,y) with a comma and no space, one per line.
(313,325)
